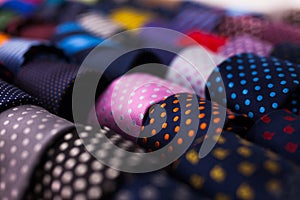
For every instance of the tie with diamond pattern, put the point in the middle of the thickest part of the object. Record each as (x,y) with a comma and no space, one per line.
(233,169)
(287,51)
(255,85)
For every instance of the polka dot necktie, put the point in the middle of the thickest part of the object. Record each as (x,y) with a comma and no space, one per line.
(255,85)
(124,103)
(233,169)
(153,186)
(246,44)
(99,25)
(11,96)
(278,131)
(192,18)
(287,51)
(192,67)
(51,82)
(263,29)
(69,171)
(26,132)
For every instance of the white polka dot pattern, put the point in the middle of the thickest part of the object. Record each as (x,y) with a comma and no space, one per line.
(26,132)
(123,105)
(11,96)
(69,171)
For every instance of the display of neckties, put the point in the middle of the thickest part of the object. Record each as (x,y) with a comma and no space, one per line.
(148,100)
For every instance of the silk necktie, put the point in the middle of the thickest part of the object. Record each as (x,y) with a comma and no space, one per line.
(26,132)
(233,168)
(287,51)
(278,131)
(124,103)
(153,186)
(255,85)
(69,171)
(246,44)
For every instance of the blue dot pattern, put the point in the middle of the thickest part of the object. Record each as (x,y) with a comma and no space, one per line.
(255,85)
(11,96)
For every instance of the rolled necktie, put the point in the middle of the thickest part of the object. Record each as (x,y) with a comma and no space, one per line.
(75,41)
(125,102)
(70,171)
(16,52)
(154,186)
(192,67)
(287,51)
(131,18)
(273,32)
(234,168)
(6,16)
(255,85)
(21,7)
(277,131)
(99,25)
(51,82)
(184,117)
(26,132)
(210,41)
(31,28)
(12,96)
(246,44)
(192,18)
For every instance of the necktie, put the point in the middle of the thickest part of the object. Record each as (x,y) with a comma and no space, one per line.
(273,32)
(51,82)
(124,103)
(255,85)
(69,171)
(20,7)
(233,169)
(5,17)
(192,18)
(75,41)
(157,185)
(131,18)
(278,131)
(246,44)
(26,132)
(192,67)
(12,96)
(210,41)
(287,51)
(31,28)
(16,52)
(99,25)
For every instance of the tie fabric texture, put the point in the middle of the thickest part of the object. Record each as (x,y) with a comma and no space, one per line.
(12,96)
(255,85)
(246,44)
(287,51)
(99,25)
(156,185)
(277,131)
(26,132)
(124,103)
(51,82)
(69,171)
(273,32)
(233,167)
(192,67)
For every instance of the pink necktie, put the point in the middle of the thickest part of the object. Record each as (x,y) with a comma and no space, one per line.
(124,103)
